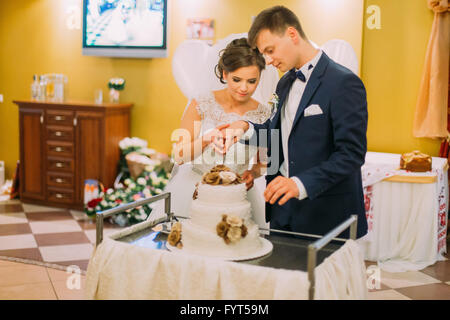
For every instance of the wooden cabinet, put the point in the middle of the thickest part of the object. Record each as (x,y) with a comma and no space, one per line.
(63,144)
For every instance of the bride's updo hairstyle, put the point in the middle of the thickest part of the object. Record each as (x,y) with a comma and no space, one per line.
(238,54)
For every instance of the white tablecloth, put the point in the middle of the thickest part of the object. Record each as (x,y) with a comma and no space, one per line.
(406,213)
(120,270)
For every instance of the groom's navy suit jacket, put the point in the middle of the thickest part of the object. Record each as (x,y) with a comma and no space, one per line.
(326,151)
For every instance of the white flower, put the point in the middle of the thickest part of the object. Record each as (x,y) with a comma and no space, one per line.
(127,182)
(142,181)
(112,198)
(158,191)
(98,208)
(148,151)
(110,191)
(132,185)
(227,177)
(132,142)
(118,81)
(104,203)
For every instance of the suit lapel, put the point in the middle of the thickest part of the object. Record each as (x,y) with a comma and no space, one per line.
(311,87)
(283,94)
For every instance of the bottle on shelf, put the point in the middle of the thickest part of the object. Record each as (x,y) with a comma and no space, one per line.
(35,88)
(42,88)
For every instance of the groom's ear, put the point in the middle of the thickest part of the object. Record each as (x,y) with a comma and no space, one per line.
(292,34)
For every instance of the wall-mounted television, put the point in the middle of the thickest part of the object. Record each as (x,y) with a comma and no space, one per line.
(125,28)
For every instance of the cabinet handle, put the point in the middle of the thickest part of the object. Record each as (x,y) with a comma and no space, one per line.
(59,149)
(59,195)
(59,180)
(75,122)
(41,119)
(58,133)
(59,118)
(59,165)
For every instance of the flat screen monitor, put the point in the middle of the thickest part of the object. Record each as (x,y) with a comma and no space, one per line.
(125,28)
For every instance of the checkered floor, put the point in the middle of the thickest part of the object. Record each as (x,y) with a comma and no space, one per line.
(49,235)
(66,237)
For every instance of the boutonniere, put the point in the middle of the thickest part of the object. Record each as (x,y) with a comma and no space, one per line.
(273,102)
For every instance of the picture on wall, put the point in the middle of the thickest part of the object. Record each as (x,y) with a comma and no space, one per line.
(202,29)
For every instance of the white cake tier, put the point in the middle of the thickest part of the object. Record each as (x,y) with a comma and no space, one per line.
(217,194)
(207,215)
(197,240)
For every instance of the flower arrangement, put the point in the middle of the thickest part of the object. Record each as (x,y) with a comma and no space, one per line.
(115,85)
(150,182)
(231,229)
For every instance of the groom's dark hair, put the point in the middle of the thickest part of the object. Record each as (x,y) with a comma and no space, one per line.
(275,19)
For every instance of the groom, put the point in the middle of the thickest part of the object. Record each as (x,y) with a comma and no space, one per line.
(322,121)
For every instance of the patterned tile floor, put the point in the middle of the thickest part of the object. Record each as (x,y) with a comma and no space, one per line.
(50,235)
(59,237)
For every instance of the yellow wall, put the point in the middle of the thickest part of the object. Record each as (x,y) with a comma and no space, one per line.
(34,39)
(392,62)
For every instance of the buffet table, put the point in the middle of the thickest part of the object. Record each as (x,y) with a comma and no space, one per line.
(406,213)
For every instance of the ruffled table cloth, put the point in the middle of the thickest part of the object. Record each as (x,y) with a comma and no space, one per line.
(119,270)
(406,213)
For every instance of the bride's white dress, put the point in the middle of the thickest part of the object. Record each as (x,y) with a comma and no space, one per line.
(239,158)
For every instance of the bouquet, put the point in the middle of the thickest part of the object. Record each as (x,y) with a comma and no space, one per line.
(116,84)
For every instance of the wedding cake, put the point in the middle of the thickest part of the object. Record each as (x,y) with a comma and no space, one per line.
(220,223)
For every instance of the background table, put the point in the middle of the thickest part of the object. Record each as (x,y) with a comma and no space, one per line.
(407,213)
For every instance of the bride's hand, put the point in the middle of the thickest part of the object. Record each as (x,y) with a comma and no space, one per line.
(215,136)
(232,134)
(248,177)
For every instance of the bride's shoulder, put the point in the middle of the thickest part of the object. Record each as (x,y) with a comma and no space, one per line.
(204,101)
(260,114)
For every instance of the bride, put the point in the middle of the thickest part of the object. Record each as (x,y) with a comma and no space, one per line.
(240,68)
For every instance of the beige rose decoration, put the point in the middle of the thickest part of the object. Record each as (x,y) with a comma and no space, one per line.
(174,238)
(231,229)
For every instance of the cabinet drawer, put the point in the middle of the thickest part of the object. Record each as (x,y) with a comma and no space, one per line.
(60,133)
(64,165)
(60,148)
(60,117)
(60,195)
(60,180)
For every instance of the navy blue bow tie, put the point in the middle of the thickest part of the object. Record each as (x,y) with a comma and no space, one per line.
(299,74)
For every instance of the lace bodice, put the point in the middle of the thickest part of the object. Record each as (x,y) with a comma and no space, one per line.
(240,155)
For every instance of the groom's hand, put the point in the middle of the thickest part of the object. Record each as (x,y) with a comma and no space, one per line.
(281,186)
(232,134)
